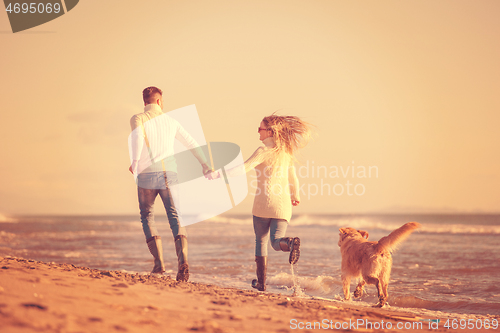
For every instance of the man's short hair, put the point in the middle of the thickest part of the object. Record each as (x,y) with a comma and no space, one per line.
(150,94)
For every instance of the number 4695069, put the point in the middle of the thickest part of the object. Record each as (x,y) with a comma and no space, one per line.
(33,8)
(471,324)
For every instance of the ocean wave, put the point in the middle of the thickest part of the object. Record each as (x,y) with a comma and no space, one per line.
(72,254)
(7,219)
(64,235)
(460,229)
(458,306)
(230,220)
(385,224)
(320,285)
(6,236)
(369,223)
(331,288)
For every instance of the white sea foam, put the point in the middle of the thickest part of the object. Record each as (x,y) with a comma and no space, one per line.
(460,229)
(405,308)
(7,219)
(72,254)
(368,223)
(230,220)
(6,236)
(320,285)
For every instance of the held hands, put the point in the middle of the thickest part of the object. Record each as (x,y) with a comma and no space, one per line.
(212,175)
(206,169)
(209,173)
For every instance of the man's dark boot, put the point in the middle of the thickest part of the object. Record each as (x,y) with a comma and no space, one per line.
(260,282)
(154,246)
(292,245)
(181,248)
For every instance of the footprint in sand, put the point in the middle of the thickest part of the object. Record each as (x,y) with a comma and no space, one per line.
(34,306)
(120,285)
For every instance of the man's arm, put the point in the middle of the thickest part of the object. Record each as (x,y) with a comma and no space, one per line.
(136,143)
(189,142)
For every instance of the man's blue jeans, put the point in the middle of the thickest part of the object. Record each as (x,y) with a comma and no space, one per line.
(265,227)
(149,185)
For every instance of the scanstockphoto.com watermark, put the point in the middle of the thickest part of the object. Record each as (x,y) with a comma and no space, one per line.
(321,180)
(422,324)
(356,324)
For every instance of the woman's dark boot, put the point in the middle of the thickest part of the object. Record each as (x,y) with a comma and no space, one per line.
(292,245)
(154,246)
(260,282)
(181,248)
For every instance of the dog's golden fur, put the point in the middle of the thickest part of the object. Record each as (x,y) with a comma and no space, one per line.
(370,261)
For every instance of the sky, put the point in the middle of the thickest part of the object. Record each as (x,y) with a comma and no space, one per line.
(406,89)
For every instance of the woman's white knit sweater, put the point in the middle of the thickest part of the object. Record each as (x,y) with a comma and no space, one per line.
(275,187)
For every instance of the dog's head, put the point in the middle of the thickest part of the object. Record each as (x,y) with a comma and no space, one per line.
(346,233)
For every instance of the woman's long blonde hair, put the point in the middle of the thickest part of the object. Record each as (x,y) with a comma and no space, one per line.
(290,133)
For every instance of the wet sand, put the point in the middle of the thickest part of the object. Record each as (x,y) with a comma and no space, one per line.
(49,297)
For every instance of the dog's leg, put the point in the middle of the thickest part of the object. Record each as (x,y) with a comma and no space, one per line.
(386,294)
(384,281)
(359,289)
(381,297)
(346,286)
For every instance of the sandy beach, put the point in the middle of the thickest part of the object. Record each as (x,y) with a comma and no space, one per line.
(49,297)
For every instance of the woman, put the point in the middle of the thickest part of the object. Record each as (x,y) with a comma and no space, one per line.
(277,188)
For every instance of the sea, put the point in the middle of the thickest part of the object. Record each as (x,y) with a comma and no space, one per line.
(450,267)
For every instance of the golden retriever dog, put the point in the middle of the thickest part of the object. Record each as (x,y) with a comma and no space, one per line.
(369,261)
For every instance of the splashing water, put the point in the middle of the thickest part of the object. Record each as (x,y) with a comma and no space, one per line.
(297,291)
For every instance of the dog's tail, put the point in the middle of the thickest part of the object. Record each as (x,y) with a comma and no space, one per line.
(391,242)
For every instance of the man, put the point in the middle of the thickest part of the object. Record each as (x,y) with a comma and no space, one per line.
(152,150)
